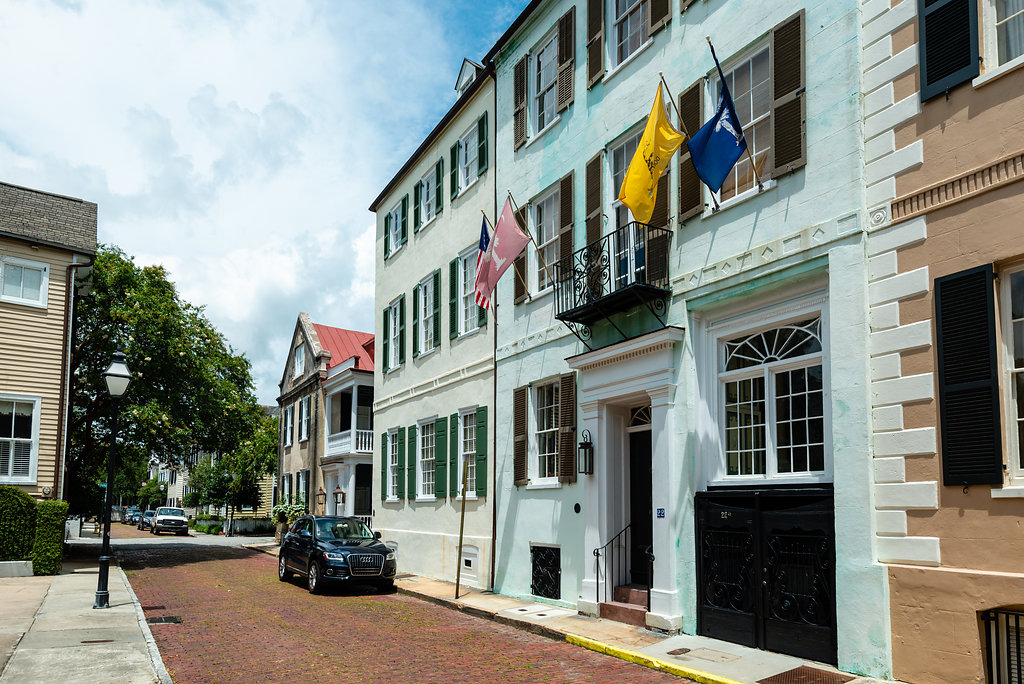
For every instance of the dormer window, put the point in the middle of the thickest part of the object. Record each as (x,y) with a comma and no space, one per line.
(467,75)
(300,361)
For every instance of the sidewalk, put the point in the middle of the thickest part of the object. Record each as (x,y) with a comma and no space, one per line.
(698,658)
(49,630)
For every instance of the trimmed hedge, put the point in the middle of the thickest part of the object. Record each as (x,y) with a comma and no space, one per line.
(17,524)
(208,529)
(48,551)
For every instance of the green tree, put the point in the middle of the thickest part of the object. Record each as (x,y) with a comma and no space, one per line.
(150,495)
(190,390)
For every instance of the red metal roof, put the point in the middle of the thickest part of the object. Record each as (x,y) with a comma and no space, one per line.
(344,344)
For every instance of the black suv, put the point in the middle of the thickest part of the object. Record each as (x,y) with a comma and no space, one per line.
(329,548)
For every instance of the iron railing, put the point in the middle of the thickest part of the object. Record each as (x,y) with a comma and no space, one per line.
(1003,646)
(633,259)
(612,562)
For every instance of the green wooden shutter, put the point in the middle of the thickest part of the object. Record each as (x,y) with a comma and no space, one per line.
(520,475)
(405,218)
(481,144)
(481,451)
(416,322)
(968,365)
(387,339)
(437,308)
(453,454)
(789,100)
(410,464)
(438,181)
(401,462)
(948,48)
(440,457)
(387,235)
(417,191)
(453,299)
(453,173)
(383,466)
(401,330)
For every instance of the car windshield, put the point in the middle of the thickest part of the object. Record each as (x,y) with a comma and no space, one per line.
(345,528)
(171,511)
(149,514)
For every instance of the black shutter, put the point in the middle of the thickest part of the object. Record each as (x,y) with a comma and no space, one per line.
(691,192)
(453,173)
(789,98)
(481,144)
(387,235)
(453,298)
(417,192)
(438,180)
(566,60)
(660,14)
(948,44)
(567,428)
(595,41)
(520,474)
(519,103)
(969,419)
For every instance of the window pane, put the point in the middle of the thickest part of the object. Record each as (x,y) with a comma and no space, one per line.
(6,418)
(785,460)
(1018,344)
(31,283)
(23,420)
(12,280)
(1017,292)
(1011,38)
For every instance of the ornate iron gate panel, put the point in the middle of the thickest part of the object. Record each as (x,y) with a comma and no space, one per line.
(767,569)
(546,564)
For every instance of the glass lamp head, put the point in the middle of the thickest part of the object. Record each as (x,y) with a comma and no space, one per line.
(117,376)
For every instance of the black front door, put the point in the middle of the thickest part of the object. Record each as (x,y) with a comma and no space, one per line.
(640,512)
(766,569)
(364,480)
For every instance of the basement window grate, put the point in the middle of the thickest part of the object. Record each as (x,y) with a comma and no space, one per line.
(546,562)
(1003,640)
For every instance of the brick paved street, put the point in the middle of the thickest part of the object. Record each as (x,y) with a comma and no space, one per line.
(240,624)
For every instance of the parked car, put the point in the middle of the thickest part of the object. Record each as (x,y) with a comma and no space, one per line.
(136,516)
(336,549)
(170,520)
(145,520)
(129,514)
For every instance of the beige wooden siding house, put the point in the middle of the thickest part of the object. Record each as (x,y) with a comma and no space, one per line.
(47,243)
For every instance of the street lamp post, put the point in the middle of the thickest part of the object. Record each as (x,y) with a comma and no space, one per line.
(231,520)
(117,376)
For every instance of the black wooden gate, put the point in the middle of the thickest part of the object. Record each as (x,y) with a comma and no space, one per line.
(766,569)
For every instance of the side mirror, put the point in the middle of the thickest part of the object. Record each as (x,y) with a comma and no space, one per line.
(376,535)
(304,533)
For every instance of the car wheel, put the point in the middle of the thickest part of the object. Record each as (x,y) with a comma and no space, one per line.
(155,531)
(282,570)
(313,578)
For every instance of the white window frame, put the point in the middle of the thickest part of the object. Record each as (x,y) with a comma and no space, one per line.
(393,473)
(395,238)
(713,336)
(394,343)
(289,424)
(463,453)
(426,316)
(539,90)
(468,321)
(540,278)
(304,418)
(44,281)
(534,470)
(425,489)
(1015,455)
(618,19)
(469,166)
(990,40)
(427,202)
(299,362)
(622,153)
(33,463)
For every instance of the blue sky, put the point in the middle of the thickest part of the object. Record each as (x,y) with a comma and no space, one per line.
(239,144)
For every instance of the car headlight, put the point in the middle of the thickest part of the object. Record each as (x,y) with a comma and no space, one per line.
(331,555)
(391,555)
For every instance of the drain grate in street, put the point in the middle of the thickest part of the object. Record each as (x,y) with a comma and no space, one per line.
(166,620)
(806,675)
(153,607)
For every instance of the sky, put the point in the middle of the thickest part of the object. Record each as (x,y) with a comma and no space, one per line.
(240,143)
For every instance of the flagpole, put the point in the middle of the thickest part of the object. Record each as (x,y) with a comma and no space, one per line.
(540,256)
(753,165)
(525,287)
(674,106)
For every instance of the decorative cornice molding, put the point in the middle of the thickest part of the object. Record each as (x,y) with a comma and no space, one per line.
(964,186)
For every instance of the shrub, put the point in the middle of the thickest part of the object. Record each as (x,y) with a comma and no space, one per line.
(17,524)
(288,513)
(208,529)
(48,551)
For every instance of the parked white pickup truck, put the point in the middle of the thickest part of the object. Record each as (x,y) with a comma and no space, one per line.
(170,520)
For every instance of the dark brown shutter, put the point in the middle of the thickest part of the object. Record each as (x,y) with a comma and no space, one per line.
(566,59)
(659,216)
(592,199)
(520,292)
(519,103)
(567,428)
(660,14)
(595,41)
(519,427)
(565,220)
(789,99)
(691,193)
(948,47)
(969,419)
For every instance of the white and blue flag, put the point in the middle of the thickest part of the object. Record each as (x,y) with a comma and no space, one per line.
(719,143)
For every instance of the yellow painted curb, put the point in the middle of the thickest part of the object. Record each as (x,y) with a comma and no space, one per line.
(647,661)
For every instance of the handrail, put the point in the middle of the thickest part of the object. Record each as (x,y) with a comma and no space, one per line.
(616,557)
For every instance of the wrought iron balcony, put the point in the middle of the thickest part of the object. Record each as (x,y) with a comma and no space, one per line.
(622,270)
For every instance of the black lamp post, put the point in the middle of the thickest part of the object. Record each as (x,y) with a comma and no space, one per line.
(117,376)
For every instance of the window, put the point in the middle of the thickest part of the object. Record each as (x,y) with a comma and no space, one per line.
(19,438)
(772,401)
(468,164)
(393,473)
(545,221)
(304,418)
(545,80)
(426,460)
(300,361)
(426,314)
(427,207)
(394,226)
(1009,29)
(621,156)
(173,477)
(750,86)
(630,27)
(546,436)
(629,244)
(463,307)
(23,282)
(289,424)
(1012,302)
(467,450)
(394,335)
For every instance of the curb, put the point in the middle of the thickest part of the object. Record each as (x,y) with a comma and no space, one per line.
(648,661)
(154,653)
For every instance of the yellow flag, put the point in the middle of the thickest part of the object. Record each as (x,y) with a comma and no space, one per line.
(659,142)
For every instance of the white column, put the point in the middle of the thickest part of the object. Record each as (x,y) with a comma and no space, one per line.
(354,408)
(593,505)
(350,490)
(666,462)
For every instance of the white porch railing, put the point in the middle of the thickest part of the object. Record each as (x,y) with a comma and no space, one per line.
(341,443)
(364,441)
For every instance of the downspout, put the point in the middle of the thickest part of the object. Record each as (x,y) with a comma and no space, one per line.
(494,358)
(70,324)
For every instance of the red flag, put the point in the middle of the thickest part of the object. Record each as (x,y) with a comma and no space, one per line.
(508,242)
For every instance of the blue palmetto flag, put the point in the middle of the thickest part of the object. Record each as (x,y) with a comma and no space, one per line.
(719,143)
